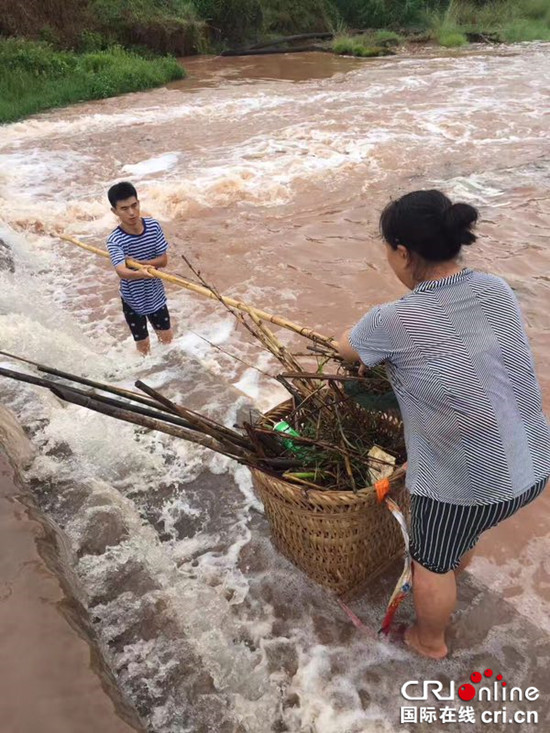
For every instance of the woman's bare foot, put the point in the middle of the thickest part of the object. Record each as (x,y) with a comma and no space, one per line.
(413,642)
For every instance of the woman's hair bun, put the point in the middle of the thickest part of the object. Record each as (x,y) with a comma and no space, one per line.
(428,224)
(458,220)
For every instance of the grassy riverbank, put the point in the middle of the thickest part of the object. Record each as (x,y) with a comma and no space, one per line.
(35,76)
(182,27)
(450,24)
(500,20)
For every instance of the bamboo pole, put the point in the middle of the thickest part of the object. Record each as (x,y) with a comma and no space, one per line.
(182,282)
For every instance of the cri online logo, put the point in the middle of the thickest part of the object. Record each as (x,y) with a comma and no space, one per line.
(467,692)
(497,691)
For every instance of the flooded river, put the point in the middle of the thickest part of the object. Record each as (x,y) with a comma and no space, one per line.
(269,174)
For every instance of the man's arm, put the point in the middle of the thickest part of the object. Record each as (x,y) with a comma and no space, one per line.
(125,273)
(118,260)
(157,262)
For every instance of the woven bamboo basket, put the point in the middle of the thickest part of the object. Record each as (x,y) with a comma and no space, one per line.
(340,539)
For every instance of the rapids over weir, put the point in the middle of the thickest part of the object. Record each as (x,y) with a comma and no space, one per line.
(269,174)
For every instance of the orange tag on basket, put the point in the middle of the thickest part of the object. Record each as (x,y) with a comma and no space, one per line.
(382,488)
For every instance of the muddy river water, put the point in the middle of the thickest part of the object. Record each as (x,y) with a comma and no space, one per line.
(269,174)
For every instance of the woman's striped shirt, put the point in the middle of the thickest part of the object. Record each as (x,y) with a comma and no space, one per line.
(143,296)
(460,363)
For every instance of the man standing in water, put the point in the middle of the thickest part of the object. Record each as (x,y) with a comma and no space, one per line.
(142,293)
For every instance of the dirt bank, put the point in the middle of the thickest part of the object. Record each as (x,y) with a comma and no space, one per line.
(48,681)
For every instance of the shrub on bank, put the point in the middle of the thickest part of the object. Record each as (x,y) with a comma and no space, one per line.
(507,20)
(384,13)
(306,16)
(361,46)
(389,38)
(526,30)
(163,26)
(39,77)
(231,20)
(452,39)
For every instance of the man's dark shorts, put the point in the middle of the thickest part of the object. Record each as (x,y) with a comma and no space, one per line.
(442,533)
(160,320)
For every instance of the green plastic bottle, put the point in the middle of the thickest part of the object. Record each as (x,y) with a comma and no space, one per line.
(283,427)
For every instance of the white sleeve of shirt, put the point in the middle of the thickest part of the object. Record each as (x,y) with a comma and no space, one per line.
(116,253)
(370,339)
(161,245)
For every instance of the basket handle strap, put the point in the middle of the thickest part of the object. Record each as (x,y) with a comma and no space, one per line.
(382,488)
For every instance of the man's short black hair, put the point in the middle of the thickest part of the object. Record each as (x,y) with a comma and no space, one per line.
(120,192)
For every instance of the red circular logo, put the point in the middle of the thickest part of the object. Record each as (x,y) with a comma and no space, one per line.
(475,677)
(467,692)
(488,673)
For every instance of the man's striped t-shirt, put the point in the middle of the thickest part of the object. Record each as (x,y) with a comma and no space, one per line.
(143,296)
(462,369)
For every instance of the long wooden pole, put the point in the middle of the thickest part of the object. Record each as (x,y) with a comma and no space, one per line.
(202,290)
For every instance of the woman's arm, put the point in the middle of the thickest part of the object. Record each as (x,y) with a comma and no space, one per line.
(346,351)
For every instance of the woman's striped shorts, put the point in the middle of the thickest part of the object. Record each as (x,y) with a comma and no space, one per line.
(442,533)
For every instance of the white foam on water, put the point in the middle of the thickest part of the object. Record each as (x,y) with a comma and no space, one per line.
(31,173)
(249,383)
(152,165)
(218,332)
(43,126)
(269,168)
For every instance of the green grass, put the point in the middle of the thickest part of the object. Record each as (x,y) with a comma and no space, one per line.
(448,21)
(360,46)
(526,30)
(508,20)
(384,13)
(164,26)
(40,77)
(451,39)
(388,37)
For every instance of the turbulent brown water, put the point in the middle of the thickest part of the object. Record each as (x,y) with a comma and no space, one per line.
(270,175)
